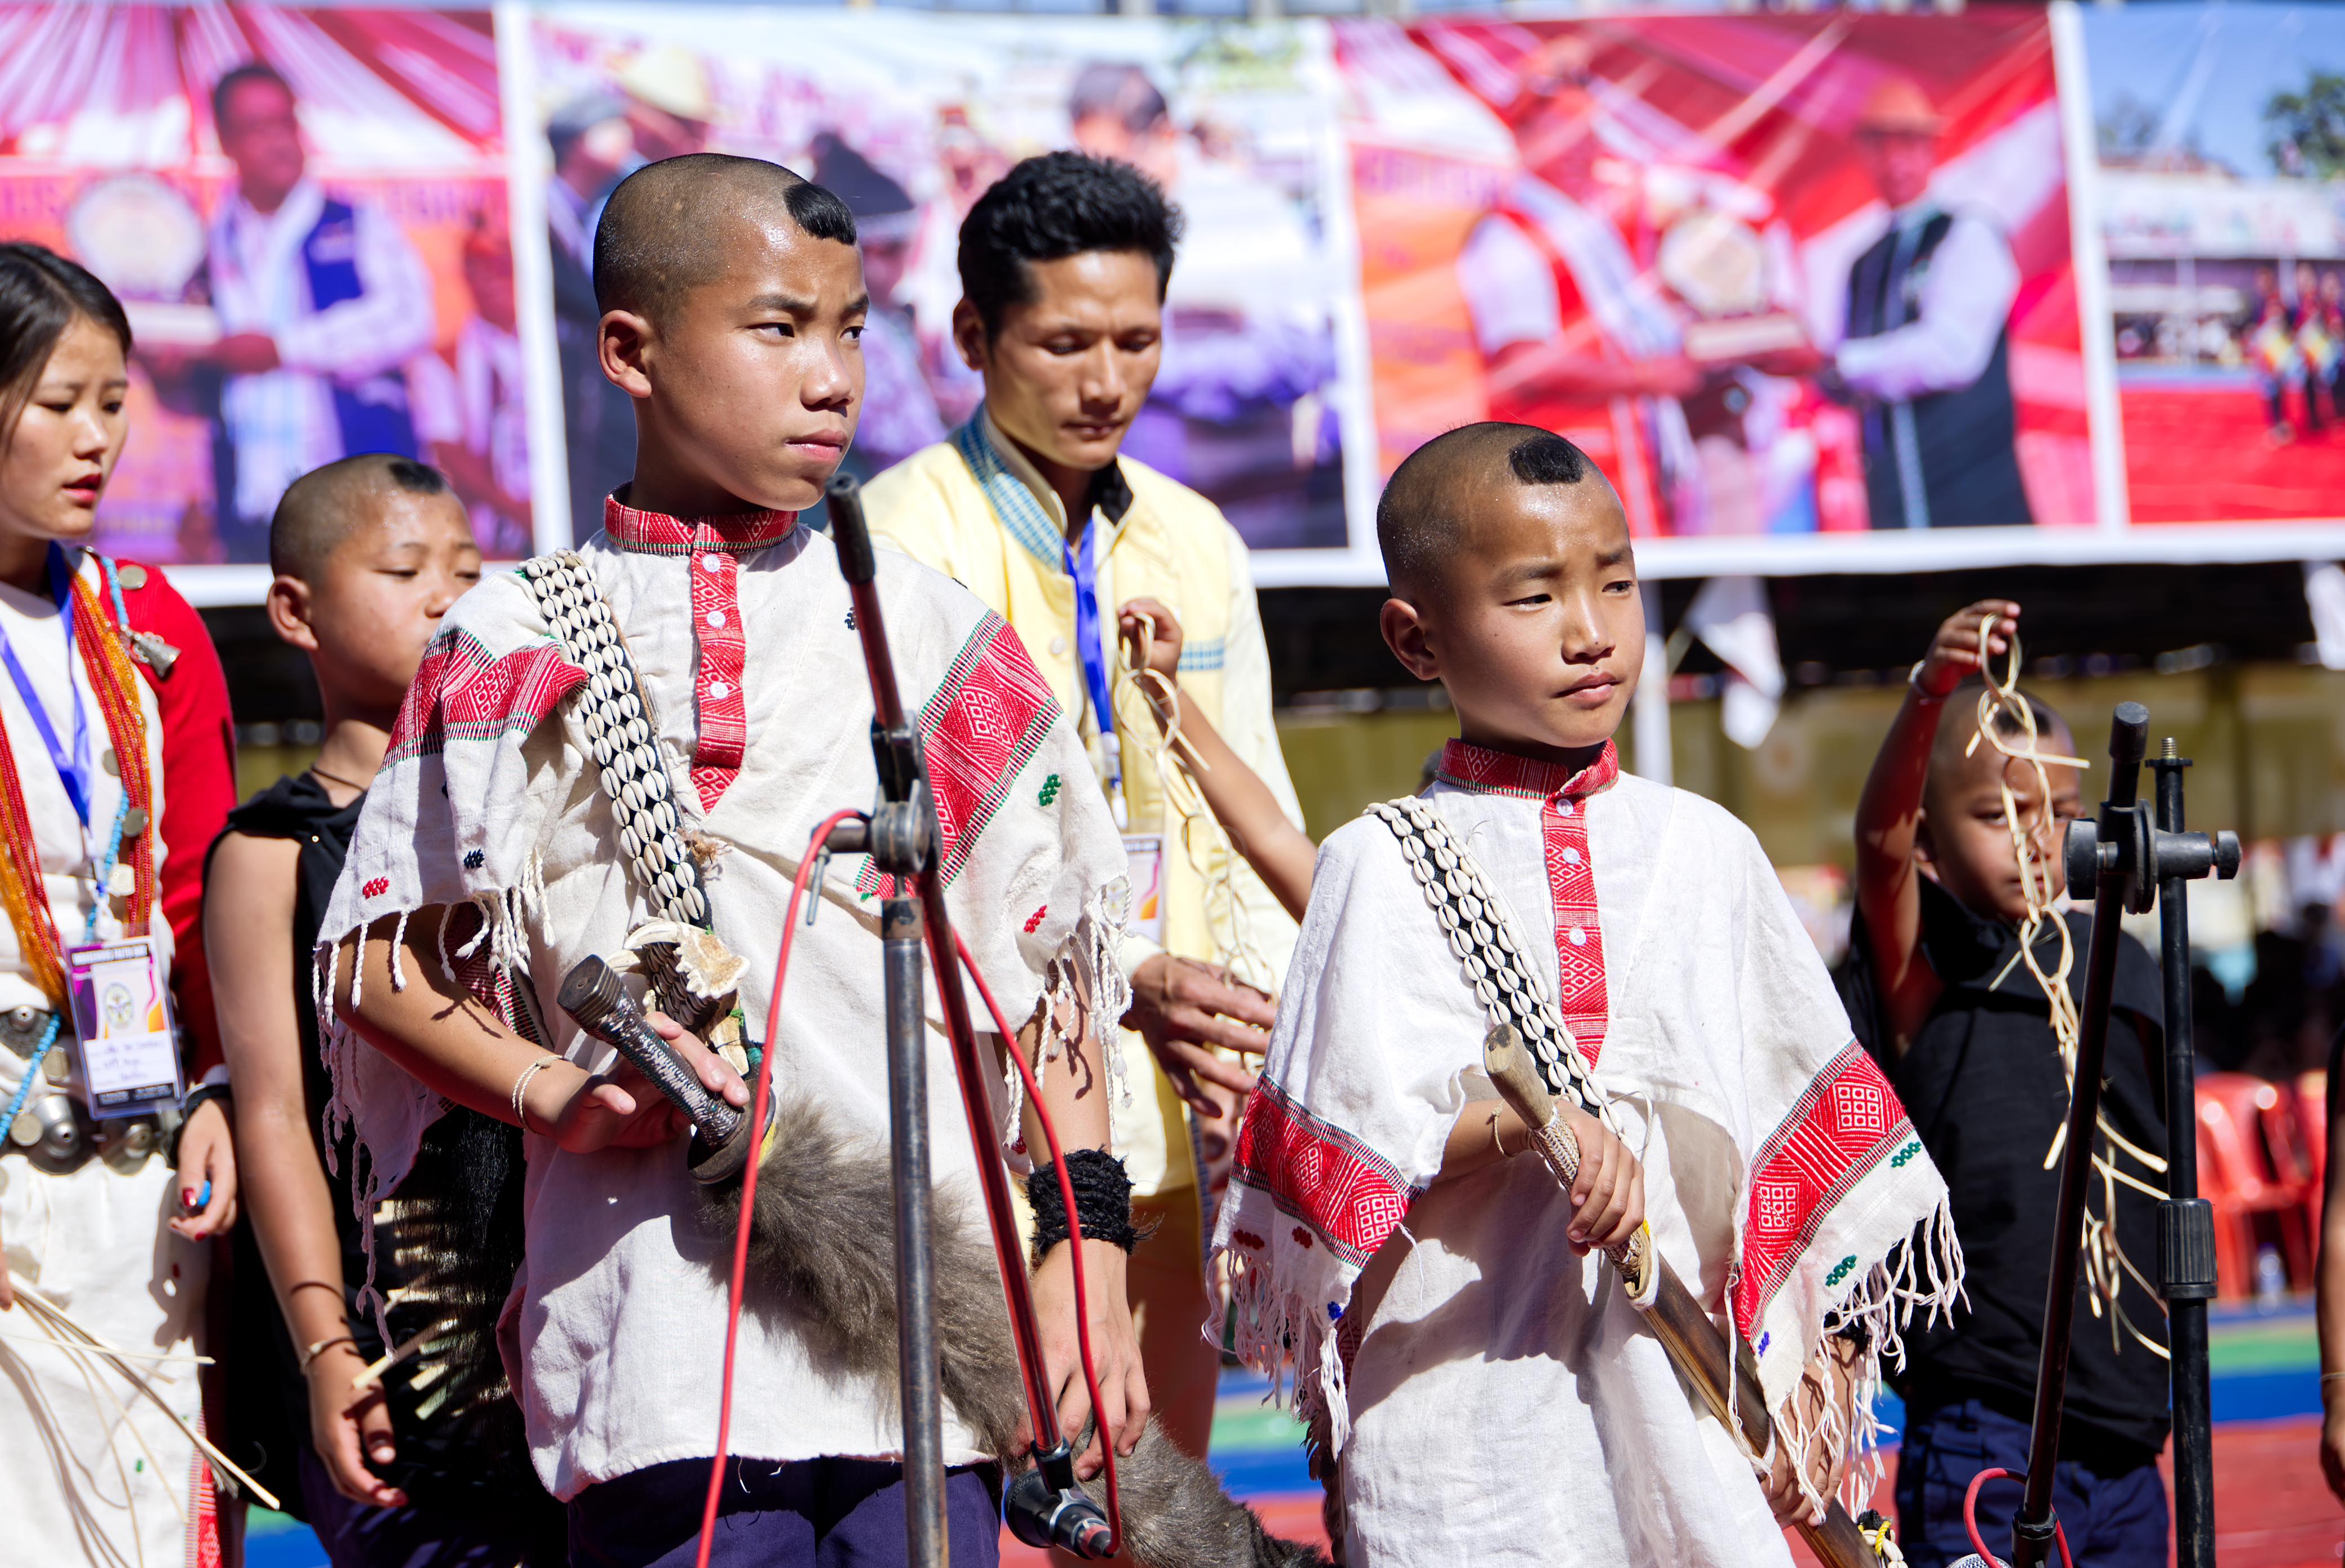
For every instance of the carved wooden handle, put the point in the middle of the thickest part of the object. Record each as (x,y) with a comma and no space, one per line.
(1520,1085)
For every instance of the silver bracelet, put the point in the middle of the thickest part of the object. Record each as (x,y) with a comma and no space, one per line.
(521,1088)
(2332,1377)
(1913,682)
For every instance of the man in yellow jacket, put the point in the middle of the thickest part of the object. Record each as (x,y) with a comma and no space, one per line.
(1063,265)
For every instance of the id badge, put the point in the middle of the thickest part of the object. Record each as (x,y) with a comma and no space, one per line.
(126,1050)
(1144,863)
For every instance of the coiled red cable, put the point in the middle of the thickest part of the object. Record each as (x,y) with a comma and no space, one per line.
(1970,1518)
(760,1096)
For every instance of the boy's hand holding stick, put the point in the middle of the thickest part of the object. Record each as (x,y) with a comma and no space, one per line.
(1730,1389)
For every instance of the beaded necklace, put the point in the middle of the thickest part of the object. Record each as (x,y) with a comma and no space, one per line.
(105,653)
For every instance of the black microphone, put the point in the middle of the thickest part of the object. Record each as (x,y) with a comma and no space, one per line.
(849,532)
(597,1001)
(1041,1514)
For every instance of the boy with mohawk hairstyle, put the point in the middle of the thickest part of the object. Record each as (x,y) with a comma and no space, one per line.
(1450,1328)
(512,834)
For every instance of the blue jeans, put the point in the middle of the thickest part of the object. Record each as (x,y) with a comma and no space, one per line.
(2117,1519)
(815,1514)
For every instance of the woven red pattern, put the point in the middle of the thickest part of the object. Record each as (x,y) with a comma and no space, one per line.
(1320,1174)
(1846,1123)
(462,691)
(722,734)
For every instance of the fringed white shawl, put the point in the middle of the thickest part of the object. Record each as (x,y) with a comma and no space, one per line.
(488,797)
(1783,1182)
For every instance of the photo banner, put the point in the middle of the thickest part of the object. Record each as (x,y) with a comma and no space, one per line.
(304,212)
(2222,209)
(910,119)
(1795,279)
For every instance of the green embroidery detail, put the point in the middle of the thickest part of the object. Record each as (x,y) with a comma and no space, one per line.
(1837,1275)
(1049,790)
(1899,1160)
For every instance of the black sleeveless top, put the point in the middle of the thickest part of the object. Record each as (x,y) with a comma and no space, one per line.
(450,1236)
(1983,1082)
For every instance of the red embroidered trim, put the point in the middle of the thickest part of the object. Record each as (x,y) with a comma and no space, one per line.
(985,721)
(462,691)
(722,734)
(657,533)
(1847,1122)
(1487,772)
(1316,1172)
(1580,995)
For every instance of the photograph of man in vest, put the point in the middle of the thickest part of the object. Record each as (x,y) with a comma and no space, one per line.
(322,304)
(1064,265)
(1925,350)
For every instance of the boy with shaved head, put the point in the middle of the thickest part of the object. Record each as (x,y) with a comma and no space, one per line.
(599,751)
(425,1461)
(1453,1334)
(1938,993)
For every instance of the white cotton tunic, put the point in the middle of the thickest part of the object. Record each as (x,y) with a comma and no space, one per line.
(93,1473)
(616,1329)
(1502,1401)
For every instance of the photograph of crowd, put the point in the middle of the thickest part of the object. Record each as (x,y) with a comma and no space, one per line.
(2220,158)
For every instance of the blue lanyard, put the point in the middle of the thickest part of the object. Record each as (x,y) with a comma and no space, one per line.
(1083,565)
(74,768)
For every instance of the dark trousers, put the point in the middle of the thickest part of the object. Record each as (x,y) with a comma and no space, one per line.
(361,1535)
(2113,1509)
(815,1514)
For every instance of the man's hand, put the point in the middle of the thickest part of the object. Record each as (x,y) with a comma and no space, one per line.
(1798,363)
(1115,1353)
(1956,652)
(1610,1194)
(207,1159)
(244,353)
(1668,376)
(1182,1007)
(350,1427)
(622,1108)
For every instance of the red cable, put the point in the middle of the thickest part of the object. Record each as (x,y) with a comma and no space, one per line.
(1074,1237)
(1970,1519)
(757,1101)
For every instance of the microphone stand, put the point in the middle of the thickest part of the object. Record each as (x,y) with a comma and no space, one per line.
(2122,861)
(902,838)
(2186,1222)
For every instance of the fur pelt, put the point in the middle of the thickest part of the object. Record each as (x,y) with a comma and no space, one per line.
(822,1250)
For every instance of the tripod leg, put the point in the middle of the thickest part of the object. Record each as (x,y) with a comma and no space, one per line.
(916,1296)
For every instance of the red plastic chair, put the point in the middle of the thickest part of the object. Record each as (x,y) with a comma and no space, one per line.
(2238,1175)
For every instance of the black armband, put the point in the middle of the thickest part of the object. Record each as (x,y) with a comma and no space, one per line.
(1103,1202)
(198,1095)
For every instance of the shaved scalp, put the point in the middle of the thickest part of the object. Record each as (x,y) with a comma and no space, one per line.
(321,510)
(1947,761)
(1426,515)
(666,228)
